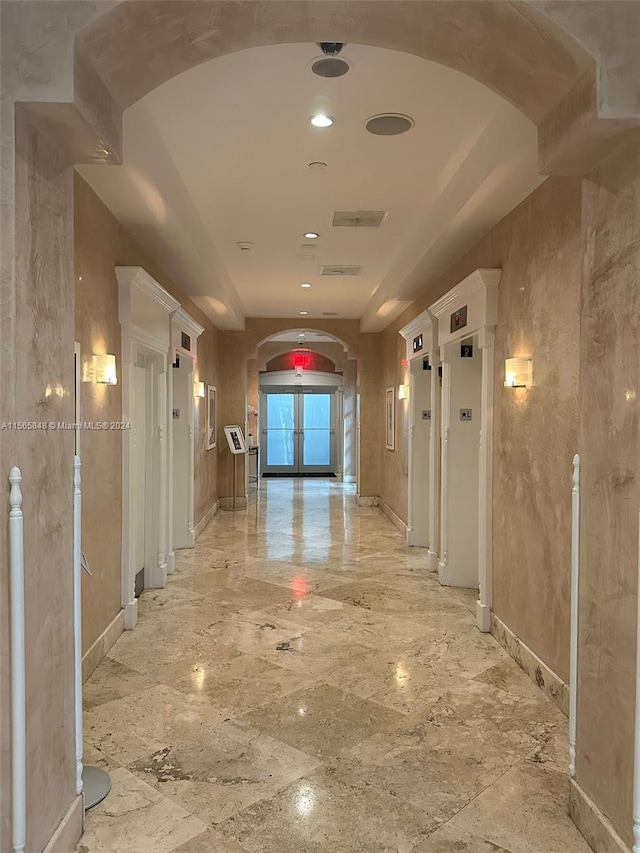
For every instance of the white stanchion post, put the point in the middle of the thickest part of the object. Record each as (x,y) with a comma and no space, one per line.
(575,577)
(18,667)
(77,614)
(636,763)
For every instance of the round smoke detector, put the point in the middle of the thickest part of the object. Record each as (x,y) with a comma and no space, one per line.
(389,124)
(330,66)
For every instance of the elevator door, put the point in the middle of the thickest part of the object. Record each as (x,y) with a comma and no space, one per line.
(298,436)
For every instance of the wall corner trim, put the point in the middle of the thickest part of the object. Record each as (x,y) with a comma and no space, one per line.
(546,679)
(592,823)
(393,517)
(69,830)
(206,518)
(100,648)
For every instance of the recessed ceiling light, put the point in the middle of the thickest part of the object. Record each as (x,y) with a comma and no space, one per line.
(306,284)
(311,235)
(321,120)
(303,312)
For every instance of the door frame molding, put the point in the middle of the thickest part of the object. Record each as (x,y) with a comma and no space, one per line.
(144,312)
(181,322)
(478,295)
(421,342)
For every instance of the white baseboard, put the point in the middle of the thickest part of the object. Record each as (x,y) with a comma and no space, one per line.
(592,823)
(546,679)
(100,648)
(432,559)
(206,518)
(171,563)
(393,516)
(131,615)
(483,617)
(69,829)
(366,500)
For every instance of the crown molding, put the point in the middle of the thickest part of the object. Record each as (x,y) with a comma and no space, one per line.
(187,323)
(480,279)
(417,325)
(139,278)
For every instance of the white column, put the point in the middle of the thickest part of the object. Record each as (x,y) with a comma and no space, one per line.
(160,579)
(485,495)
(129,600)
(77,614)
(573,654)
(411,480)
(18,668)
(444,467)
(171,556)
(434,462)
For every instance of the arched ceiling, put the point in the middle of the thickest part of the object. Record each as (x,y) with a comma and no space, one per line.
(219,155)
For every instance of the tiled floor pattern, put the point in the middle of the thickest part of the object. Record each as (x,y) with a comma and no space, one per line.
(302,684)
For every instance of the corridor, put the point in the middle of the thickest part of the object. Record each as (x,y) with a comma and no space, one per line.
(302,684)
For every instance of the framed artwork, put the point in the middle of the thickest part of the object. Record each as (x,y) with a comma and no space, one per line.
(390,412)
(235,439)
(211,417)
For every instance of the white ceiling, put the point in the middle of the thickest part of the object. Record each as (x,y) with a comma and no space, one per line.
(220,154)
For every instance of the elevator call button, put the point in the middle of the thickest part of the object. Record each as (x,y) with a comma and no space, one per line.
(465,414)
(426,414)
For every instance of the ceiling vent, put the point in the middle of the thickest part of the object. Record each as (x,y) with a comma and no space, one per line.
(338,269)
(358,218)
(330,66)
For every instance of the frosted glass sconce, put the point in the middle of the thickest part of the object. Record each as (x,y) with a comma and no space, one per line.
(104,369)
(518,373)
(199,389)
(403,392)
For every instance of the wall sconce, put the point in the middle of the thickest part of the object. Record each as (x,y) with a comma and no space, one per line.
(518,373)
(199,389)
(403,392)
(104,369)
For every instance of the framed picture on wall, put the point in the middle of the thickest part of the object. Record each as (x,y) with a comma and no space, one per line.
(391,418)
(211,417)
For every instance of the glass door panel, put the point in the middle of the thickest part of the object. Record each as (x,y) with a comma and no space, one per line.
(281,432)
(317,431)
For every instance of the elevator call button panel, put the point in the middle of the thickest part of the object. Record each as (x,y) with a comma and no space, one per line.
(465,414)
(426,414)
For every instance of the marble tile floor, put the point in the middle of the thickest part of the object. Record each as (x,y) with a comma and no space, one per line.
(304,684)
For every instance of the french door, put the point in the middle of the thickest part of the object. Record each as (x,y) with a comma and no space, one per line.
(298,434)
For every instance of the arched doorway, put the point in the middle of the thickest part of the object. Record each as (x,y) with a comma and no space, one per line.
(302,392)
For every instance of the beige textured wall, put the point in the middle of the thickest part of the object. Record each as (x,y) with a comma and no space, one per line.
(535,432)
(610,493)
(102,244)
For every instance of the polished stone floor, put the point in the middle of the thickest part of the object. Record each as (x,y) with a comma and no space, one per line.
(302,684)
